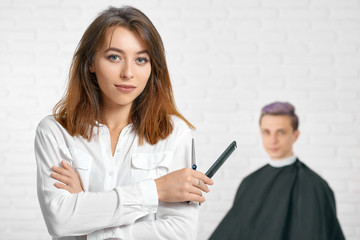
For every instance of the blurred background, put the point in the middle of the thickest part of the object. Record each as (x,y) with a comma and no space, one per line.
(226,59)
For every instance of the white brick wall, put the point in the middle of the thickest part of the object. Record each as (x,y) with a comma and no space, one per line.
(227,59)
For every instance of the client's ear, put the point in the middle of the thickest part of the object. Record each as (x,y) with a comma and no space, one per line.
(296,133)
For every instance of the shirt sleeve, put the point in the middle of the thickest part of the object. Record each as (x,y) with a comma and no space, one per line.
(173,220)
(79,214)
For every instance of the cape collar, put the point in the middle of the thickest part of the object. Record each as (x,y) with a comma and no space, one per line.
(282,162)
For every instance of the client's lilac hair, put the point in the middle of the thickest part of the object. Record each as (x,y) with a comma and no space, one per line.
(281,108)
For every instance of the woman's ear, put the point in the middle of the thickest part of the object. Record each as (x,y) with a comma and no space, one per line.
(91,67)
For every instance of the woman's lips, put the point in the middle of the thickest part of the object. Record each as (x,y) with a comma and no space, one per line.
(125,88)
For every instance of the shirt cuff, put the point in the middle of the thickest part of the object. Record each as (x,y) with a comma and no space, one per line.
(142,194)
(148,190)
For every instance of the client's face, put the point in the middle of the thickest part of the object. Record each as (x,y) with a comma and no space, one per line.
(278,136)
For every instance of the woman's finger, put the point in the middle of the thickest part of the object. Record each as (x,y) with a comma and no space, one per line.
(61,178)
(61,186)
(61,171)
(66,166)
(203,180)
(195,190)
(203,177)
(204,187)
(196,198)
(198,183)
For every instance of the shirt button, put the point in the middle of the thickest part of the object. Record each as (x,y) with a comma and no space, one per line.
(111,173)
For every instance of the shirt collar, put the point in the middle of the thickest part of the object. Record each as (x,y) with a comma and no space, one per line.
(282,162)
(103,126)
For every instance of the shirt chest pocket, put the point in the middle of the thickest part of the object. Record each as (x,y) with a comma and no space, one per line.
(150,165)
(81,162)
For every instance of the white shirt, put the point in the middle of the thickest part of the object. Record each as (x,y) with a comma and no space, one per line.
(120,197)
(282,162)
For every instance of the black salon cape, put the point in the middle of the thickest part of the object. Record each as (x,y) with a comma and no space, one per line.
(287,203)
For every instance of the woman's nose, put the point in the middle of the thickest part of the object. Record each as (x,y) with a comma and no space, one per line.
(126,71)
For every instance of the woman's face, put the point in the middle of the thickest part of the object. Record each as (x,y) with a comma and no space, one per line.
(122,67)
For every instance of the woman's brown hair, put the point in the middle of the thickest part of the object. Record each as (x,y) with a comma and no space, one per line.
(80,108)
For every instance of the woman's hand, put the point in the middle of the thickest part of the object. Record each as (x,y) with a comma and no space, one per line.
(69,178)
(183,185)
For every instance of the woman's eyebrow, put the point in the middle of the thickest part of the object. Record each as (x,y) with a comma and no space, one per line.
(114,49)
(122,51)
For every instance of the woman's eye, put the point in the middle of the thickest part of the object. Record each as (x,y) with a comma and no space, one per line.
(142,60)
(114,58)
